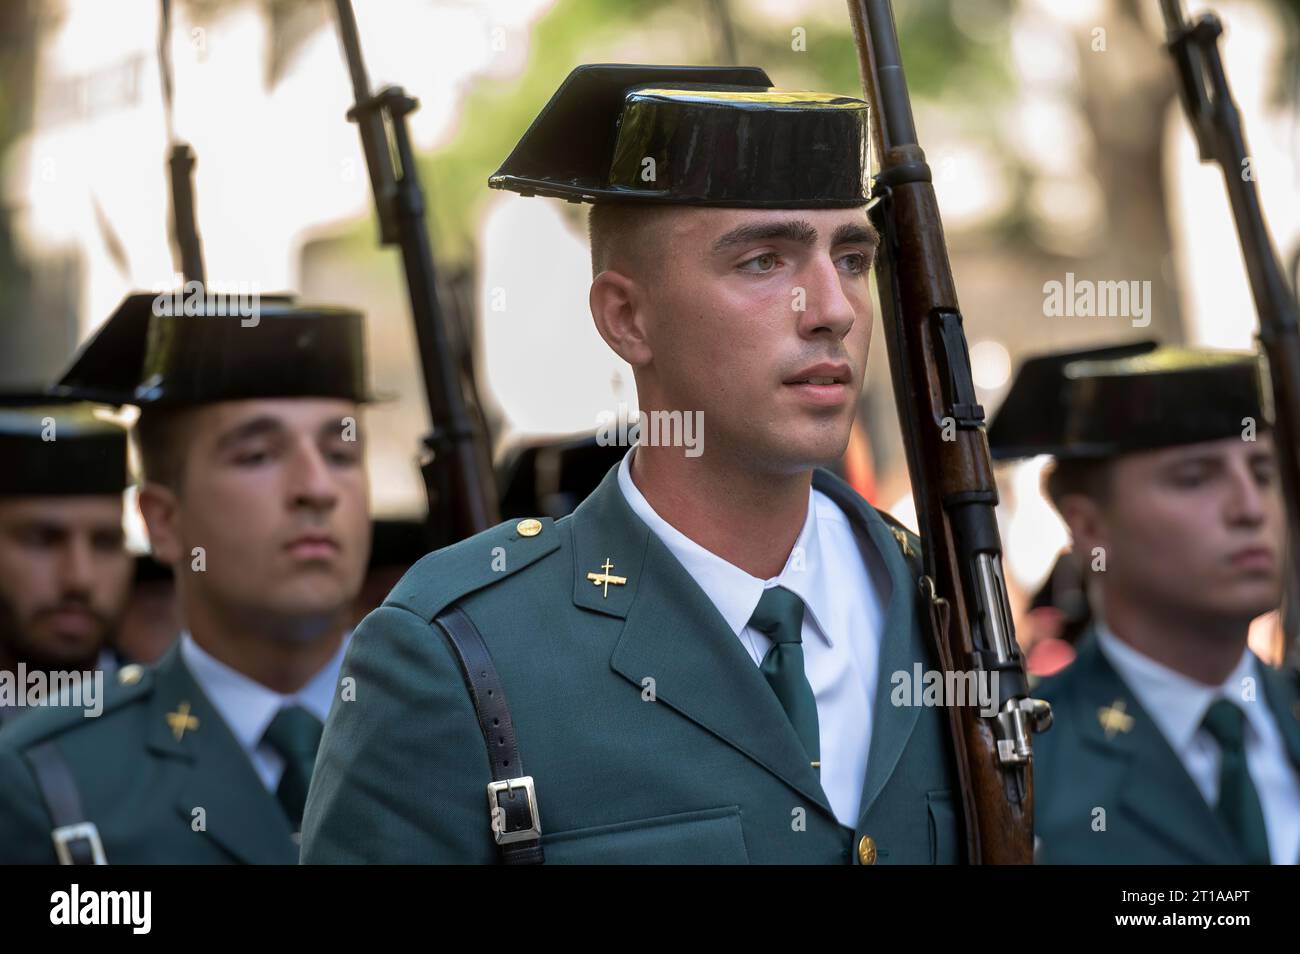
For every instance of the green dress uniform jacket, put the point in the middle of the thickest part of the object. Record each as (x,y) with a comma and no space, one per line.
(156,753)
(1104,752)
(650,733)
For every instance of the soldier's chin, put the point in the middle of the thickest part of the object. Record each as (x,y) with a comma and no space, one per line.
(67,653)
(47,636)
(1248,599)
(818,449)
(311,597)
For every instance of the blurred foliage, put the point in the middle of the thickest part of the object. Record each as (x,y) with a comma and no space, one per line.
(956,54)
(941,61)
(495,116)
(1287,88)
(18,25)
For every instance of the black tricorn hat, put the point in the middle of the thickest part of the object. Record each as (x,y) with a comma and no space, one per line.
(184,347)
(1104,402)
(1032,418)
(57,447)
(692,135)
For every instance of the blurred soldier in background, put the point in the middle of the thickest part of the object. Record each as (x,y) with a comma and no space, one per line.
(151,623)
(1174,743)
(65,573)
(255,493)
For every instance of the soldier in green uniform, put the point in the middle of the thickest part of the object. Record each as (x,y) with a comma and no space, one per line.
(1173,743)
(695,666)
(65,574)
(255,493)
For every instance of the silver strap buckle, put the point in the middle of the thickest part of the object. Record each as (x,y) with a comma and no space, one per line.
(82,831)
(512,788)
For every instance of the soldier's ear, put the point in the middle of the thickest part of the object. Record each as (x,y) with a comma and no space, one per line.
(158,507)
(618,309)
(1086,520)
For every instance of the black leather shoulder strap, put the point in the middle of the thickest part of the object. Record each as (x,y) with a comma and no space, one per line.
(512,798)
(76,840)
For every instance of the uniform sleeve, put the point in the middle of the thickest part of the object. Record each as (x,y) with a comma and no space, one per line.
(24,822)
(402,769)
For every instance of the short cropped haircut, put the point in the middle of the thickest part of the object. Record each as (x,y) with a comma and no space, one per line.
(626,236)
(1088,478)
(162,438)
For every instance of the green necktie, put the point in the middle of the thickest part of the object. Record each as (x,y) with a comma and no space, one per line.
(1238,801)
(294,733)
(779,617)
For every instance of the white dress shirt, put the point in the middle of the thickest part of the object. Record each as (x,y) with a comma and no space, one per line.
(1178,705)
(248,706)
(841,626)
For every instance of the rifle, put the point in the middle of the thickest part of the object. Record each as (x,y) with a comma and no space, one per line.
(180,167)
(948,460)
(455,465)
(1216,123)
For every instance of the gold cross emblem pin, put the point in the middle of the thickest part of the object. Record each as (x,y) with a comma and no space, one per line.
(1114,719)
(901,537)
(605,578)
(181,721)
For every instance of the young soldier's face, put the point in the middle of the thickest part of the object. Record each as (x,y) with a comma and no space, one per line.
(1194,529)
(64,578)
(275,493)
(761,319)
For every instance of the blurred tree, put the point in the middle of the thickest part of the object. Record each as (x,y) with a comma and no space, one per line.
(17,81)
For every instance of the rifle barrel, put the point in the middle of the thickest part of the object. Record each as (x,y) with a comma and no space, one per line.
(457,469)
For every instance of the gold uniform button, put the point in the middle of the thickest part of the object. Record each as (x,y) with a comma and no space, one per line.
(867,850)
(529,527)
(129,675)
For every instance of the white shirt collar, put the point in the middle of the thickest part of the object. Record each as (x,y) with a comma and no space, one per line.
(1177,703)
(248,706)
(732,590)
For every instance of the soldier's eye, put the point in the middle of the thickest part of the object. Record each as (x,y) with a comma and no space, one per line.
(860,262)
(107,542)
(766,257)
(41,537)
(251,458)
(344,456)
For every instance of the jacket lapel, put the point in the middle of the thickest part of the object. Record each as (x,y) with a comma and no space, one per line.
(1156,787)
(1282,692)
(1283,695)
(901,643)
(239,812)
(672,633)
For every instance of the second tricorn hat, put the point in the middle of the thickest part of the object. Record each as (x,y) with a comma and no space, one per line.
(1109,401)
(183,348)
(53,447)
(692,135)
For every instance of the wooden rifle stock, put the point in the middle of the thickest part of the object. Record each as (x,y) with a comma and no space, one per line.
(948,460)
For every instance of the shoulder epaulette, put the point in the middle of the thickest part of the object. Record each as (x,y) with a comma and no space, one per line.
(444,576)
(122,687)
